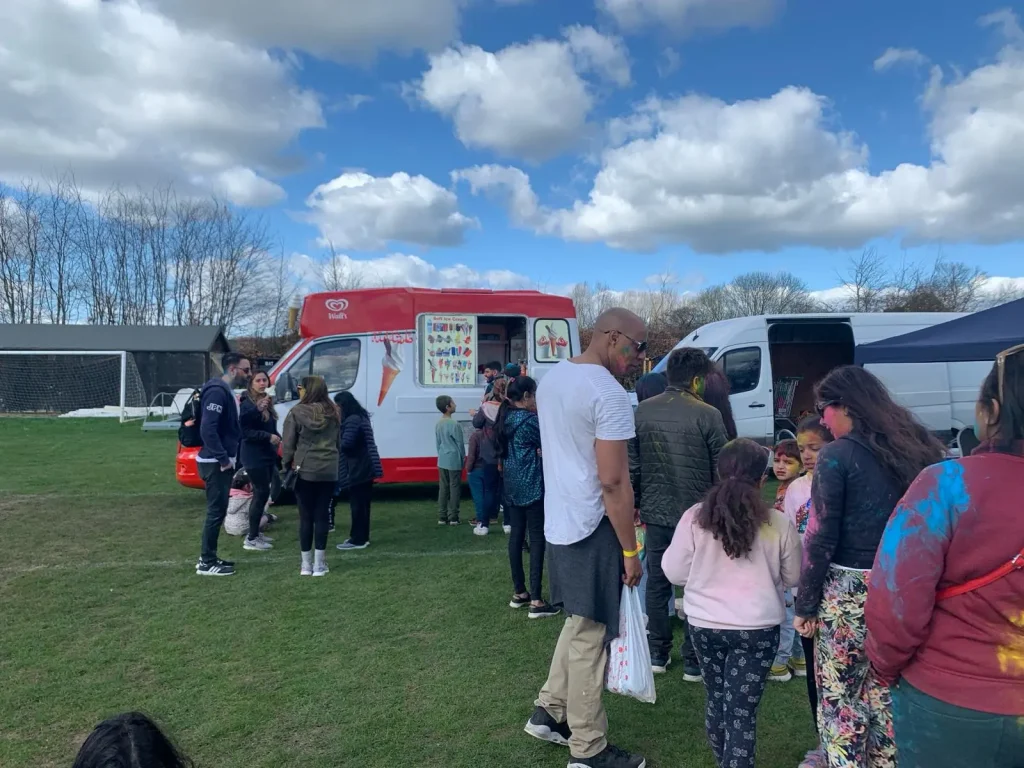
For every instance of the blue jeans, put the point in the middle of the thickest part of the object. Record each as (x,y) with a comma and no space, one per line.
(790,646)
(484,484)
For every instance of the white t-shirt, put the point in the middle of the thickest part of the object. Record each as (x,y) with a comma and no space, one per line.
(577,404)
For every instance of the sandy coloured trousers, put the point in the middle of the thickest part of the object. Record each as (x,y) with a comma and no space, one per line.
(575,684)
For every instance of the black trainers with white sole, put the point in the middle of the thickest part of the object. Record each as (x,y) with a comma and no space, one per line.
(216,568)
(544,727)
(519,601)
(611,757)
(545,611)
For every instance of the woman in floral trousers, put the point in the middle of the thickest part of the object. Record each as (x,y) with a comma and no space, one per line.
(879,450)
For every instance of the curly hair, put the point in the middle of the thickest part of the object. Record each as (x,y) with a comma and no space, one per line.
(733,510)
(897,439)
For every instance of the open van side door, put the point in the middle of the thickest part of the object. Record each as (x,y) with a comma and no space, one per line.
(749,370)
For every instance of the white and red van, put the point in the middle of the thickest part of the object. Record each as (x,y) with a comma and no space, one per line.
(397,349)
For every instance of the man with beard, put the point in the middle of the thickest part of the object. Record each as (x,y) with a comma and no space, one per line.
(220,433)
(586,420)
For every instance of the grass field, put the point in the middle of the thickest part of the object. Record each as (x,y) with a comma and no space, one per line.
(405,655)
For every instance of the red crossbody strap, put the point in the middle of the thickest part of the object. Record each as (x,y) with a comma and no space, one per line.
(983,581)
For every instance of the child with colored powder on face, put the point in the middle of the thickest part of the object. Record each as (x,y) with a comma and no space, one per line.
(811,437)
(789,660)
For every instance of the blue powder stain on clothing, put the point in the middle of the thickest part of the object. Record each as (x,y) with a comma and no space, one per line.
(940,497)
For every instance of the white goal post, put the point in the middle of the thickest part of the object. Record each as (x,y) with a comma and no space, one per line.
(71,382)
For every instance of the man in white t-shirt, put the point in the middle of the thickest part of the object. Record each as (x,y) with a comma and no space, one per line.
(586,421)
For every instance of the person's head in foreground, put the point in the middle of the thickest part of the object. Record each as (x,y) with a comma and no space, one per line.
(851,399)
(348,405)
(999,413)
(445,405)
(491,370)
(786,464)
(313,393)
(129,740)
(237,369)
(497,394)
(688,369)
(733,510)
(811,437)
(650,385)
(512,370)
(619,342)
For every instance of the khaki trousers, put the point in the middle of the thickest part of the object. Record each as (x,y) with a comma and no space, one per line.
(575,684)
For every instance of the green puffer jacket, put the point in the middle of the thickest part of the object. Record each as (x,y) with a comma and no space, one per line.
(673,460)
(310,439)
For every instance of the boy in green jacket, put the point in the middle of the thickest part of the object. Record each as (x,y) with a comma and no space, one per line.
(451,454)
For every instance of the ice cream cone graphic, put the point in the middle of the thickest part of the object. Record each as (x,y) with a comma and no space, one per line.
(391,366)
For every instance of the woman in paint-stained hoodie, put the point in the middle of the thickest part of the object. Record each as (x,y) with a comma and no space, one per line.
(956,661)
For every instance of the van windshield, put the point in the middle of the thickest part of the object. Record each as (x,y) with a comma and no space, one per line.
(663,363)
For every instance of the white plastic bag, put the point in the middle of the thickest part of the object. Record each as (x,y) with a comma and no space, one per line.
(629,656)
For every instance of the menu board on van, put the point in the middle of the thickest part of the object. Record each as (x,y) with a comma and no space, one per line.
(450,350)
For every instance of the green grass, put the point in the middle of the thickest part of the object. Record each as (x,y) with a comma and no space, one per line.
(406,655)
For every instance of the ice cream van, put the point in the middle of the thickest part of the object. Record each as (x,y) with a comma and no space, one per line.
(397,349)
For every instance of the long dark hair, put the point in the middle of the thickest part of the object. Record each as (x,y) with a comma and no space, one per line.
(716,393)
(318,399)
(254,396)
(348,405)
(130,740)
(1008,429)
(650,385)
(733,510)
(518,389)
(897,439)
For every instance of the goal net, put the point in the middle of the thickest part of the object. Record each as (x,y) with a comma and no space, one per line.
(71,383)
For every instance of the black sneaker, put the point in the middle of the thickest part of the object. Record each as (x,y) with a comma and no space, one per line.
(519,602)
(611,757)
(692,673)
(543,611)
(216,568)
(216,560)
(544,727)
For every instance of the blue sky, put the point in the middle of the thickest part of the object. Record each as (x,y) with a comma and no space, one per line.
(761,133)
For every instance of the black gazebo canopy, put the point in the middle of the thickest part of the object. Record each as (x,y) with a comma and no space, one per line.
(978,336)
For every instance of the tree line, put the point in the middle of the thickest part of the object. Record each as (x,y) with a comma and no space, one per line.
(136,257)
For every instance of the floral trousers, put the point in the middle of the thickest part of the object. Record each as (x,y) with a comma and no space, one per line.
(735,664)
(855,708)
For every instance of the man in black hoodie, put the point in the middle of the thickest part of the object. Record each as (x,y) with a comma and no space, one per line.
(220,433)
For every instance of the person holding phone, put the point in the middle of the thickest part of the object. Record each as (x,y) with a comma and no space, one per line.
(260,441)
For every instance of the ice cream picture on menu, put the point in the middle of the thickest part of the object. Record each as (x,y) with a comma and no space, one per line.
(450,350)
(552,343)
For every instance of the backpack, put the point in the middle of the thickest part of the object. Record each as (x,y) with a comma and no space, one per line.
(191,416)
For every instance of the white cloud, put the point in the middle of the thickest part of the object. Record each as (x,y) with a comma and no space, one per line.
(773,172)
(528,100)
(335,29)
(120,95)
(1007,22)
(893,56)
(668,62)
(403,270)
(364,212)
(685,16)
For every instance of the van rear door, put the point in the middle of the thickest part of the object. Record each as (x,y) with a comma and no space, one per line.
(749,370)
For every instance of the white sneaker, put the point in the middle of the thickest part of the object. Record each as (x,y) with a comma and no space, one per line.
(266,538)
(307,564)
(257,545)
(507,529)
(320,563)
(481,531)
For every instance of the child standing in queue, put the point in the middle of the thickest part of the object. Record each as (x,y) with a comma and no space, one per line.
(789,661)
(451,454)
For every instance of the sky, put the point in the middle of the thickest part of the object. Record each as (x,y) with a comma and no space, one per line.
(540,143)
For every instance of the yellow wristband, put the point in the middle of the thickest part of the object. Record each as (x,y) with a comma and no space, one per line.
(632,553)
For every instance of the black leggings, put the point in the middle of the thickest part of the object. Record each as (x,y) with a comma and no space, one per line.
(261,479)
(359,501)
(522,519)
(812,685)
(314,499)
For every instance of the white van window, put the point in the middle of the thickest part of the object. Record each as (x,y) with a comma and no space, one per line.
(551,340)
(338,362)
(743,369)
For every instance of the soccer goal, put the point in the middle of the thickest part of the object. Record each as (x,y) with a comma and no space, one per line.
(72,383)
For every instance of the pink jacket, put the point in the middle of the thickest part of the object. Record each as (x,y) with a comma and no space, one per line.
(723,593)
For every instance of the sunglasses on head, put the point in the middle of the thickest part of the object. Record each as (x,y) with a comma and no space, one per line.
(1001,359)
(824,405)
(640,346)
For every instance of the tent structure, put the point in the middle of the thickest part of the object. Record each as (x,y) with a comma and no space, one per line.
(978,336)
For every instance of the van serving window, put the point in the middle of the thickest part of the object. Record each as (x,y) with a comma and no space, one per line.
(743,369)
(551,340)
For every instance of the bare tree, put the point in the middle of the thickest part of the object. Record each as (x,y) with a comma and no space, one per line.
(763,293)
(337,276)
(949,287)
(866,279)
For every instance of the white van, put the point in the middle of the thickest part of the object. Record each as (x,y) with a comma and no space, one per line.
(774,361)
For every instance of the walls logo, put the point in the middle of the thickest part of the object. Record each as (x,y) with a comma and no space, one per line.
(336,309)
